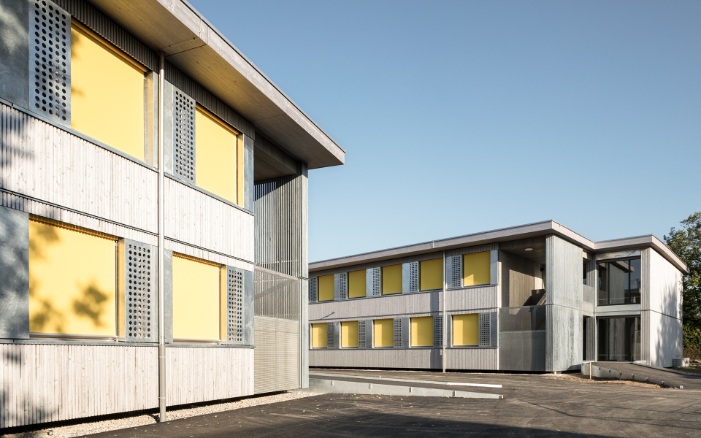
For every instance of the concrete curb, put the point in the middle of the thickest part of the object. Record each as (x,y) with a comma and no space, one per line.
(372,388)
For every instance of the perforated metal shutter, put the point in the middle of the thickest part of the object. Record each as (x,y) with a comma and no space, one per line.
(332,334)
(184,136)
(401,332)
(365,334)
(340,286)
(485,330)
(50,61)
(374,282)
(453,266)
(235,305)
(140,291)
(410,277)
(438,330)
(313,297)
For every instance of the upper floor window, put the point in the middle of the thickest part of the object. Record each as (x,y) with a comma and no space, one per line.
(619,282)
(107,92)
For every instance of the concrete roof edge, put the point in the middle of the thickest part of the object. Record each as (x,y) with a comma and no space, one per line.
(645,241)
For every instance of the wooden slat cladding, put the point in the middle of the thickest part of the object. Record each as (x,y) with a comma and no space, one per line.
(197,219)
(84,177)
(199,374)
(36,390)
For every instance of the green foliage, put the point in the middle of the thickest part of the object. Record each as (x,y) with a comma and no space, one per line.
(692,342)
(686,242)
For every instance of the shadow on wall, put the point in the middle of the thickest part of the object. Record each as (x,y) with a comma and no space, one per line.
(17,406)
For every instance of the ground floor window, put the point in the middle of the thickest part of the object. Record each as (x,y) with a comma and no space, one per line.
(619,338)
(349,334)
(320,335)
(422,331)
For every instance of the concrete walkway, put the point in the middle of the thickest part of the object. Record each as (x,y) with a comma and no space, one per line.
(533,405)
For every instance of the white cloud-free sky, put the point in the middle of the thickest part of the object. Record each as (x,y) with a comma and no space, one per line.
(461,116)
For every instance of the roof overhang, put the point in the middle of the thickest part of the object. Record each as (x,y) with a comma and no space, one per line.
(195,47)
(539,229)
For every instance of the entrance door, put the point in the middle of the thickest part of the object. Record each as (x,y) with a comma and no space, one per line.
(619,339)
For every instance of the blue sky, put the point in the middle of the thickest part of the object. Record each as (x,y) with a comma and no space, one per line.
(465,116)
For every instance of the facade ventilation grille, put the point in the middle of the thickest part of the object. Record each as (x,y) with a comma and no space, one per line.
(235,305)
(485,331)
(140,293)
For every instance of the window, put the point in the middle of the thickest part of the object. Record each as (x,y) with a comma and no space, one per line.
(107,93)
(476,269)
(357,284)
(72,277)
(320,333)
(391,279)
(465,330)
(619,338)
(349,334)
(325,286)
(422,331)
(431,274)
(383,333)
(197,299)
(217,163)
(619,282)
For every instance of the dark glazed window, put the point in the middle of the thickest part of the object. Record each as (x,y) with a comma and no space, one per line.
(619,282)
(619,338)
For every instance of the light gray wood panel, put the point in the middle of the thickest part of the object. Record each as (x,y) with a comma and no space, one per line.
(197,374)
(387,305)
(194,218)
(49,164)
(39,387)
(472,359)
(661,285)
(472,298)
(427,358)
(277,354)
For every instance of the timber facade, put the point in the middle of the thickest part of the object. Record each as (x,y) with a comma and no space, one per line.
(536,298)
(153,194)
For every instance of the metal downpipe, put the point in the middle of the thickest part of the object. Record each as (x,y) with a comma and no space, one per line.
(161,250)
(445,321)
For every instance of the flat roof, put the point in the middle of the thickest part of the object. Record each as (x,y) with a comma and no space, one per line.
(195,47)
(537,229)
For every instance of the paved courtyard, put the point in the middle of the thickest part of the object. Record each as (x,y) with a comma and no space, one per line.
(533,405)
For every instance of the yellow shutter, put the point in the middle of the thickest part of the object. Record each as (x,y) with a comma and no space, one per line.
(465,329)
(196,299)
(383,333)
(320,335)
(107,93)
(325,287)
(431,275)
(72,277)
(357,284)
(215,155)
(422,331)
(391,279)
(349,334)
(476,269)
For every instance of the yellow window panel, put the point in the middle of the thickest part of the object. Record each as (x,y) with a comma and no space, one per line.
(431,274)
(357,284)
(215,155)
(383,333)
(72,277)
(476,269)
(196,299)
(325,287)
(107,93)
(320,335)
(422,331)
(391,279)
(465,329)
(349,334)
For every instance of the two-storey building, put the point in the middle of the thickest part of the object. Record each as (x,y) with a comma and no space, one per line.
(153,213)
(536,297)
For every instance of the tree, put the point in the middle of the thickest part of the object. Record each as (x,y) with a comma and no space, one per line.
(686,242)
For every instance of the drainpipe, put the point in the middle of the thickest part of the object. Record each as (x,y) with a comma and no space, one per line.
(445,321)
(161,251)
